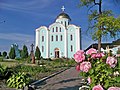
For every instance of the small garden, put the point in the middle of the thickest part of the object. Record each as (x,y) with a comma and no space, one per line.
(20,73)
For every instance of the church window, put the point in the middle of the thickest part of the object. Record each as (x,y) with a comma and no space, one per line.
(60,29)
(42,38)
(56,29)
(56,37)
(71,37)
(61,37)
(51,38)
(65,23)
(61,22)
(53,30)
(42,48)
(71,48)
(68,23)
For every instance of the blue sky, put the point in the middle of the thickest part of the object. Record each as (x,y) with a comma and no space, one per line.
(22,17)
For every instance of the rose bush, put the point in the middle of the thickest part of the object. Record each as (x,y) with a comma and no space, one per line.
(99,69)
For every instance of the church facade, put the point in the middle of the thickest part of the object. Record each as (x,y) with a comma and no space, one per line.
(60,39)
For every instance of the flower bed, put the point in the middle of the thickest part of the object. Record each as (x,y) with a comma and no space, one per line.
(100,70)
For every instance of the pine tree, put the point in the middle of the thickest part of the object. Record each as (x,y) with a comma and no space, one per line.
(12,53)
(24,53)
(37,53)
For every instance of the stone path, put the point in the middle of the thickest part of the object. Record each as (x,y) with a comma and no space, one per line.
(67,80)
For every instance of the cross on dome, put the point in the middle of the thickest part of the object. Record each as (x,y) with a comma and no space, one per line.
(63,8)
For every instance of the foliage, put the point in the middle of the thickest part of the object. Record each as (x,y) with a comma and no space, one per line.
(1,59)
(37,53)
(86,2)
(98,69)
(5,72)
(110,26)
(24,53)
(1,70)
(32,70)
(18,80)
(0,54)
(118,51)
(4,54)
(12,53)
(101,23)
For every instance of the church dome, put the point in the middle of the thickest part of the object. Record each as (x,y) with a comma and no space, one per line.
(63,15)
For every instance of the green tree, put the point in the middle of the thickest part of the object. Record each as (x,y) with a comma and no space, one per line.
(24,52)
(37,53)
(0,54)
(4,54)
(102,23)
(12,53)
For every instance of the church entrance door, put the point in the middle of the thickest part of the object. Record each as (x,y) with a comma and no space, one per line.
(56,53)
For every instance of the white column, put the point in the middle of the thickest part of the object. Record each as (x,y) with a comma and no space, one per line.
(77,38)
(47,40)
(65,41)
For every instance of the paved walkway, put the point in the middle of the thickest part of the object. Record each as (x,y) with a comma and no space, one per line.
(67,80)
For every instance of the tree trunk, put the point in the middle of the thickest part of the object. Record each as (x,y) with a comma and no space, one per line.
(99,39)
(99,45)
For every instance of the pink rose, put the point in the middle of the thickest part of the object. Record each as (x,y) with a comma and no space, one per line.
(91,51)
(97,55)
(89,80)
(93,55)
(98,87)
(78,67)
(85,66)
(79,56)
(111,61)
(114,88)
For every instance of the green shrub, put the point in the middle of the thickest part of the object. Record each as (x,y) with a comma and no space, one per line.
(1,59)
(12,53)
(18,80)
(1,70)
(5,72)
(4,54)
(17,58)
(24,52)
(32,70)
(37,53)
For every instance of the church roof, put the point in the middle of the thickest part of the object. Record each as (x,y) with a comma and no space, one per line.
(63,15)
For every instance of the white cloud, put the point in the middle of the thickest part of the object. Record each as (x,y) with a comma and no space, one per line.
(25,5)
(10,38)
(16,37)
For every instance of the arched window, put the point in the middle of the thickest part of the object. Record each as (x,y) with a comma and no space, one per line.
(71,37)
(42,38)
(42,48)
(65,23)
(56,37)
(71,48)
(56,29)
(60,37)
(51,38)
(53,30)
(68,23)
(60,29)
(61,22)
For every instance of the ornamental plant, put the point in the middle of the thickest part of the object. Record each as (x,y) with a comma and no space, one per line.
(18,80)
(101,71)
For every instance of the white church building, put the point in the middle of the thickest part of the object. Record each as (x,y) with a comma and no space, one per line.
(60,39)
